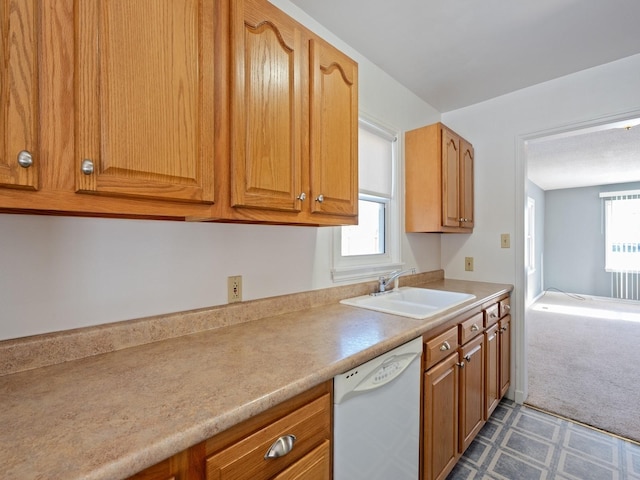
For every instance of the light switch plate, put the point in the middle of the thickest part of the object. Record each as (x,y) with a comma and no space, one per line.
(468,264)
(505,240)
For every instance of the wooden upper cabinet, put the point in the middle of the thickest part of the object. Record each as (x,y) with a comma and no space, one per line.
(19,149)
(144,98)
(438,180)
(334,131)
(266,107)
(466,184)
(450,178)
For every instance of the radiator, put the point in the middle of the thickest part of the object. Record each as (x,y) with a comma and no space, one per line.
(625,285)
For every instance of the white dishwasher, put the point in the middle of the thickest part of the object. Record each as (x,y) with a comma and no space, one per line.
(376,417)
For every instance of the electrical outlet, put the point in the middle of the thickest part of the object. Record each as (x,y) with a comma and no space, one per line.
(505,240)
(234,288)
(468,264)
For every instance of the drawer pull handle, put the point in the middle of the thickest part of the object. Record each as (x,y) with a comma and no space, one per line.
(503,329)
(281,447)
(507,308)
(468,358)
(445,346)
(493,315)
(461,364)
(475,327)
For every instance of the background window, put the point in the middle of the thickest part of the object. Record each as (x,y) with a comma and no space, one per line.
(622,231)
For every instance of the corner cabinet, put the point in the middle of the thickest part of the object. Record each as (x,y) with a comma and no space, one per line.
(19,146)
(204,110)
(439,181)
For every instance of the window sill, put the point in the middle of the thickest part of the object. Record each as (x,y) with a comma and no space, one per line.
(345,274)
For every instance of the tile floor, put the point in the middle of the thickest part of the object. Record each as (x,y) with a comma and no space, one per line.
(521,443)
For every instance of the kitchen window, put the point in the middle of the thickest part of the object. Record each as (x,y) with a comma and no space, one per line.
(622,231)
(372,247)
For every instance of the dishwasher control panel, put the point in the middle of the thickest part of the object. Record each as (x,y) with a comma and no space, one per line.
(377,372)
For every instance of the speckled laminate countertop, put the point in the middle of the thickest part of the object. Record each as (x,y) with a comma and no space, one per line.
(111,415)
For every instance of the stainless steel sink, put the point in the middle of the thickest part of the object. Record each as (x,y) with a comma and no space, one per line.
(410,302)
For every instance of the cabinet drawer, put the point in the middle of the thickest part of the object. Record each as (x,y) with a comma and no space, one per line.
(471,328)
(491,315)
(311,426)
(441,346)
(505,306)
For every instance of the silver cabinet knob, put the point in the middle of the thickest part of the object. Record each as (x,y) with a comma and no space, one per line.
(507,308)
(475,327)
(445,346)
(320,198)
(302,197)
(461,364)
(87,166)
(25,160)
(468,358)
(281,447)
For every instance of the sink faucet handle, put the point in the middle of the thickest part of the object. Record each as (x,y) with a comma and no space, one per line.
(393,276)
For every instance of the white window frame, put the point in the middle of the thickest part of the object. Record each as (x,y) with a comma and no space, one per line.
(346,268)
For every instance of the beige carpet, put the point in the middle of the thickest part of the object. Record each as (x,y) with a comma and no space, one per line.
(584,361)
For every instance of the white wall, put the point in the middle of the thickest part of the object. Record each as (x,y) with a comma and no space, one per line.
(59,273)
(497,128)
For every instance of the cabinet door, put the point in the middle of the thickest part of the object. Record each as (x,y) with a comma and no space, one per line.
(441,418)
(492,366)
(505,354)
(466,184)
(471,391)
(334,131)
(266,107)
(316,465)
(144,98)
(19,148)
(450,179)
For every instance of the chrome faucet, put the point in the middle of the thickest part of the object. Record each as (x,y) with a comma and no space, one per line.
(383,282)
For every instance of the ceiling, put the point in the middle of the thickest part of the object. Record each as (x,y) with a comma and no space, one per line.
(600,156)
(454,53)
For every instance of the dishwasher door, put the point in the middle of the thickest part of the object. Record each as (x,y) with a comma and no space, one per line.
(376,417)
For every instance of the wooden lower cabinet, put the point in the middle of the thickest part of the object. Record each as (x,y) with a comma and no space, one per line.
(440,427)
(239,453)
(504,347)
(467,372)
(471,391)
(492,362)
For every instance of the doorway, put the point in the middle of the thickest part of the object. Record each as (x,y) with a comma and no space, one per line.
(563,162)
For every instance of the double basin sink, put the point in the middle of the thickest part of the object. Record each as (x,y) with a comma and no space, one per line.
(412,302)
